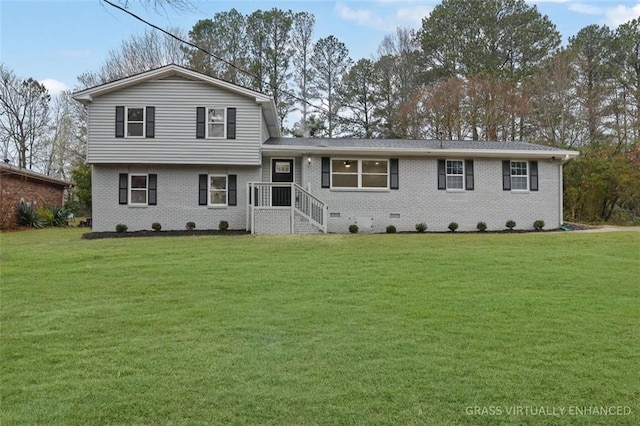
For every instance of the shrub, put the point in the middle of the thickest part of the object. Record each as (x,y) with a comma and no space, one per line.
(27,215)
(223,225)
(538,225)
(391,229)
(156,226)
(60,216)
(453,226)
(191,226)
(481,226)
(421,227)
(45,216)
(510,224)
(353,229)
(121,227)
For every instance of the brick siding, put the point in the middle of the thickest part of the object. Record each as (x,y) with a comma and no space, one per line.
(14,188)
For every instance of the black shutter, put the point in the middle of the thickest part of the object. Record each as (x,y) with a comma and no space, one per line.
(394,181)
(153,189)
(468,175)
(231,123)
(506,175)
(200,122)
(326,172)
(202,190)
(150,118)
(442,175)
(120,122)
(533,175)
(232,190)
(124,182)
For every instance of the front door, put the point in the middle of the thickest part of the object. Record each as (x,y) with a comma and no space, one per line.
(281,171)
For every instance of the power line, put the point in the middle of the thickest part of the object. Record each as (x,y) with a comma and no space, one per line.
(234,66)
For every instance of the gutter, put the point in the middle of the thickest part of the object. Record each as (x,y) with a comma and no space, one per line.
(562,156)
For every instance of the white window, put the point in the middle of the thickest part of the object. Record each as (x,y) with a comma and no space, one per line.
(519,176)
(455,174)
(361,174)
(138,189)
(216,123)
(217,190)
(134,122)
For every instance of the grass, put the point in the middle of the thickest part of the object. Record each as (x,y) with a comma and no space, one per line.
(338,329)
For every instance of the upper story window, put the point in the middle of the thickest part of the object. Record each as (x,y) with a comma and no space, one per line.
(455,174)
(135,122)
(519,176)
(216,122)
(361,174)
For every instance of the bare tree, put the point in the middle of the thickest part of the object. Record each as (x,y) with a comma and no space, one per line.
(138,54)
(24,116)
(64,145)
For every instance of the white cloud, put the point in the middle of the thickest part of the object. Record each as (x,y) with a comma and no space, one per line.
(54,87)
(618,15)
(586,9)
(391,14)
(612,16)
(364,17)
(413,15)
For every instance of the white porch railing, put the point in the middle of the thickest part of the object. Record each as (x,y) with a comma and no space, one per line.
(282,196)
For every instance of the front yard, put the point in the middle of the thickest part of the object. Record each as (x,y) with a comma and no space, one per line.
(336,329)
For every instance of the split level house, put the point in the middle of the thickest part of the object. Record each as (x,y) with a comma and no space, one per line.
(174,146)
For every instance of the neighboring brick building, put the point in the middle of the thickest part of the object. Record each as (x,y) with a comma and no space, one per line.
(20,184)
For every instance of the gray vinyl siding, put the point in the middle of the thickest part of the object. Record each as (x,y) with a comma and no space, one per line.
(177,198)
(419,200)
(265,131)
(175,101)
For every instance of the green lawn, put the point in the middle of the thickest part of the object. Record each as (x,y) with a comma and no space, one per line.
(337,329)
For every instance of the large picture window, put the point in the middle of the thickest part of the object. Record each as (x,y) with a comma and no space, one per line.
(216,122)
(135,122)
(360,174)
(519,176)
(138,189)
(217,190)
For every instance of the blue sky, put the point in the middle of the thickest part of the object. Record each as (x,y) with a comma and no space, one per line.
(54,41)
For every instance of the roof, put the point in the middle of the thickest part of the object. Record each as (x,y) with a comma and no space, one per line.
(8,169)
(268,105)
(412,147)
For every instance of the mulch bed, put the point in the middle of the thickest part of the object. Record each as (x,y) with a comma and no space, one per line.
(185,233)
(203,232)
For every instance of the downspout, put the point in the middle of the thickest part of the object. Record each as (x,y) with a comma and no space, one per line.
(561,195)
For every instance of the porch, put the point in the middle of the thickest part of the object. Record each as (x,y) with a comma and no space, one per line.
(284,208)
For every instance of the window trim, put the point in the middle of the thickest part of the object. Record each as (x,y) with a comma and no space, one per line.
(525,176)
(360,174)
(143,122)
(207,122)
(226,191)
(463,175)
(131,188)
